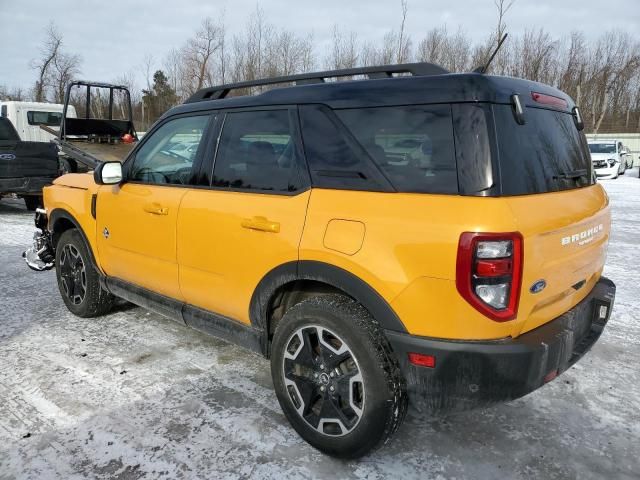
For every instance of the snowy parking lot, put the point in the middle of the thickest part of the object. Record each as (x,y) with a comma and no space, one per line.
(133,395)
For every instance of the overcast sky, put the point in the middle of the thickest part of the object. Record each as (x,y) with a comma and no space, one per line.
(113,36)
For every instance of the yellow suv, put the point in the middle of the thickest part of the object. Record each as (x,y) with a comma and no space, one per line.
(410,237)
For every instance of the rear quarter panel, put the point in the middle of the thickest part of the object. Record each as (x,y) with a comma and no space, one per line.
(408,254)
(409,251)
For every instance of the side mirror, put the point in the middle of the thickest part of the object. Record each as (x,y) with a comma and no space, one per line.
(623,152)
(108,173)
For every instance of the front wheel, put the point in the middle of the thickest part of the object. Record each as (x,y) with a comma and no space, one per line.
(78,280)
(336,377)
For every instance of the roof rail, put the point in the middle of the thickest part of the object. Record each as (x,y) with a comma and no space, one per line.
(381,71)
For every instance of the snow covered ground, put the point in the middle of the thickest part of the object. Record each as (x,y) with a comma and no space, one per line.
(133,395)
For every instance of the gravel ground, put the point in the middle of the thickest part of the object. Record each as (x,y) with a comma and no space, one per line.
(132,395)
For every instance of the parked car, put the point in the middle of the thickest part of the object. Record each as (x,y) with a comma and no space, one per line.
(454,279)
(25,167)
(608,157)
(628,156)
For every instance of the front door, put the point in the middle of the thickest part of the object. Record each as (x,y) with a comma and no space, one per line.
(136,220)
(251,218)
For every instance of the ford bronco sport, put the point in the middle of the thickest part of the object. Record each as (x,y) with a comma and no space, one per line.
(406,237)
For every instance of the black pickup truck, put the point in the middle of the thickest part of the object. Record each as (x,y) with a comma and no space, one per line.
(25,167)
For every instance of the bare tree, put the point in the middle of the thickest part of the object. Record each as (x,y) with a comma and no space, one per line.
(66,68)
(403,41)
(503,6)
(16,94)
(344,50)
(198,55)
(48,52)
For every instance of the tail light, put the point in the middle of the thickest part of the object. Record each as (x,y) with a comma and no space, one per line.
(549,100)
(489,273)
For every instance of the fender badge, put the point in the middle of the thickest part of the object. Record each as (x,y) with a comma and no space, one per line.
(538,286)
(105,232)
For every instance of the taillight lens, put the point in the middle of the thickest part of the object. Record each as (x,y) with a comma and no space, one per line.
(549,100)
(489,273)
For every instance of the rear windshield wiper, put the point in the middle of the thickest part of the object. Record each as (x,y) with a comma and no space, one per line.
(572,175)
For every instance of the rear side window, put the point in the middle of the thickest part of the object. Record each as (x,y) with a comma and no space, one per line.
(412,145)
(546,154)
(257,152)
(51,119)
(335,158)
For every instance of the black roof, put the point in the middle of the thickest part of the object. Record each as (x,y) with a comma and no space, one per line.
(400,90)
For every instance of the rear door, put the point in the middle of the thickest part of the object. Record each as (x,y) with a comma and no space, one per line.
(547,180)
(249,217)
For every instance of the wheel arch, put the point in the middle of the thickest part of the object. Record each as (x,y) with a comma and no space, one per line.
(60,221)
(292,282)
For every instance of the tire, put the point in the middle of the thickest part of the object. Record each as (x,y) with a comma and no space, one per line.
(369,392)
(78,280)
(33,202)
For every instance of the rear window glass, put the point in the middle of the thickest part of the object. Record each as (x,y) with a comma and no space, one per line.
(546,154)
(412,145)
(7,132)
(44,118)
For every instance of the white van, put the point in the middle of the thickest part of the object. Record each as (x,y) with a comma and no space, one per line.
(28,116)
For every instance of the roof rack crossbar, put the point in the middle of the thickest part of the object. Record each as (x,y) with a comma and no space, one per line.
(382,71)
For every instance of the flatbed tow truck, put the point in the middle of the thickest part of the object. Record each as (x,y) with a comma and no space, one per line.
(100,135)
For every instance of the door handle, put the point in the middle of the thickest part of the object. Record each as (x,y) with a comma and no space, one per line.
(262,224)
(156,209)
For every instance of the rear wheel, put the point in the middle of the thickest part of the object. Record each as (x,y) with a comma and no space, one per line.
(336,377)
(33,202)
(78,280)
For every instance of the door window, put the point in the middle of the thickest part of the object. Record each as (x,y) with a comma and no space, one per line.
(167,156)
(51,119)
(257,152)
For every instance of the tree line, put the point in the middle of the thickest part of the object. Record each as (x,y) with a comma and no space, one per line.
(602,75)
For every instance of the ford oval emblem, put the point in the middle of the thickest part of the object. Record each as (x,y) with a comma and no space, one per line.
(7,156)
(538,286)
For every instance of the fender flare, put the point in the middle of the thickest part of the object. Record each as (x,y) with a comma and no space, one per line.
(337,277)
(58,214)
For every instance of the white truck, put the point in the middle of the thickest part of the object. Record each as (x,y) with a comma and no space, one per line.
(27,117)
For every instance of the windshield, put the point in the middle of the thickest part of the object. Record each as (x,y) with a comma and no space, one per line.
(602,147)
(546,154)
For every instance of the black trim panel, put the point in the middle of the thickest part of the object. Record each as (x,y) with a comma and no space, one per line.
(58,214)
(471,374)
(224,328)
(165,306)
(202,320)
(329,274)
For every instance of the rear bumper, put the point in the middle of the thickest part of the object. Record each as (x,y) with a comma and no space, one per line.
(473,374)
(24,185)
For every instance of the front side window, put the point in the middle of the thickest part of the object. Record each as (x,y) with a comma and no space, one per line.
(412,145)
(51,119)
(257,152)
(167,156)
